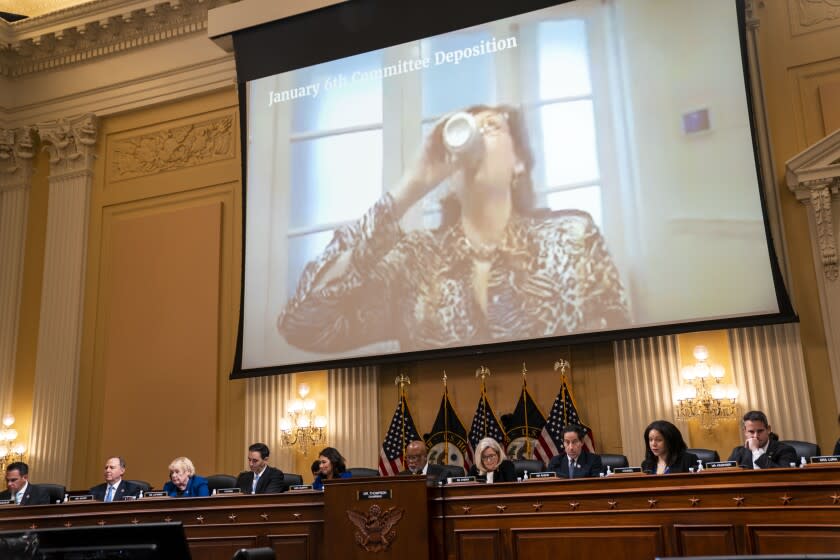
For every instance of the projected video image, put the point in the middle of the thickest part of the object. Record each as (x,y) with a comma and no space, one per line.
(570,170)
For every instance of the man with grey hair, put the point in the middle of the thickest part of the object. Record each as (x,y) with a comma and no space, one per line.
(115,489)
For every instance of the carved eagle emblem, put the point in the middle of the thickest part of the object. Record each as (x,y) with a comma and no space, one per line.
(375,529)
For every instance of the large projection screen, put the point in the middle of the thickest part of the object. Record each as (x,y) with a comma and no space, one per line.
(573,172)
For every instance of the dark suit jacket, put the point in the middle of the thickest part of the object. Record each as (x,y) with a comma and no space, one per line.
(588,464)
(837,447)
(34,496)
(681,464)
(778,455)
(434,473)
(505,473)
(271,482)
(124,489)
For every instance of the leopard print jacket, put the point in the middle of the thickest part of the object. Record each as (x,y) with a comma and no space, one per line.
(549,277)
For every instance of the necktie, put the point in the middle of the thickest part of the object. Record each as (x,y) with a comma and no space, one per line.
(254,487)
(571,469)
(18,497)
(110,495)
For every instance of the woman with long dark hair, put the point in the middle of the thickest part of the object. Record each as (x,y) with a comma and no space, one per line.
(494,270)
(665,450)
(332,465)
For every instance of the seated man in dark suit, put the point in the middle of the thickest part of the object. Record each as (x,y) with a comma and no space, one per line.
(20,490)
(261,478)
(416,462)
(760,451)
(576,462)
(114,489)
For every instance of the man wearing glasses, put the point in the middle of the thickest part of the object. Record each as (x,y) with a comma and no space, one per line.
(416,463)
(576,462)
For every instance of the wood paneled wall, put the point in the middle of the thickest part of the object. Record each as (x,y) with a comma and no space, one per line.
(162,294)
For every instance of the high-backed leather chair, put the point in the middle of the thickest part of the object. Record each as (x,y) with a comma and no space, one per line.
(219,481)
(144,486)
(291,479)
(530,465)
(705,455)
(613,461)
(56,491)
(803,448)
(358,472)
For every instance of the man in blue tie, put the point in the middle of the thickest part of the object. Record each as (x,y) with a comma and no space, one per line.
(115,489)
(577,462)
(20,490)
(260,478)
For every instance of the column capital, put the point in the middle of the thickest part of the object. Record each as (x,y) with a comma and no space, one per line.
(70,142)
(16,155)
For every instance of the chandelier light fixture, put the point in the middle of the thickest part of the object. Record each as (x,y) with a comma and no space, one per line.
(11,450)
(703,396)
(301,429)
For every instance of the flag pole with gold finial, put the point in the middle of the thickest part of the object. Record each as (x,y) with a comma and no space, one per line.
(525,408)
(483,372)
(401,381)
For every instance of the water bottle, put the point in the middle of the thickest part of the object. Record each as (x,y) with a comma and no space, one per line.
(609,470)
(525,475)
(802,462)
(699,465)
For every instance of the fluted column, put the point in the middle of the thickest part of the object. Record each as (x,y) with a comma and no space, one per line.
(15,180)
(647,371)
(354,414)
(770,371)
(265,402)
(70,144)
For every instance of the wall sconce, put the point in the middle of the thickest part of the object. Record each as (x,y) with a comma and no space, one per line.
(10,449)
(302,428)
(702,395)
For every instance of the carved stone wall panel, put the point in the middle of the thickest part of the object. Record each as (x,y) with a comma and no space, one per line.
(185,145)
(808,16)
(808,81)
(830,105)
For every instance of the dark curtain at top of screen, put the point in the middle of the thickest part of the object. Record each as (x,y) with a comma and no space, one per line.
(358,26)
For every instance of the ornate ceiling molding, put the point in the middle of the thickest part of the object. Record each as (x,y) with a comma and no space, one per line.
(97,29)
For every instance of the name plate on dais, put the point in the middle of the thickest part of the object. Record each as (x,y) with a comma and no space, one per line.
(156,494)
(627,470)
(7,502)
(824,459)
(459,479)
(83,498)
(299,487)
(545,474)
(374,495)
(721,464)
(228,491)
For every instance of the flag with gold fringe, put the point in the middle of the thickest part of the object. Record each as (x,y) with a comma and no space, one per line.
(564,411)
(447,442)
(524,425)
(401,432)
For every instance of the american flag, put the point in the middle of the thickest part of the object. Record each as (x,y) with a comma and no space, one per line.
(563,412)
(401,432)
(486,424)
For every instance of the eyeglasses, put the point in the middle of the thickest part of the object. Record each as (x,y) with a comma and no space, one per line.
(488,456)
